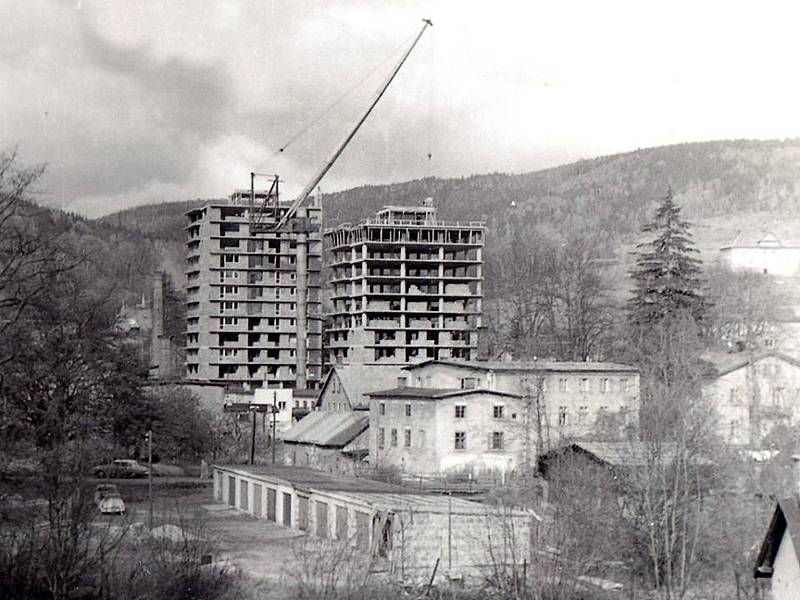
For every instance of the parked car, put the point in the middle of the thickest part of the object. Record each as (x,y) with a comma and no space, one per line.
(108,499)
(120,468)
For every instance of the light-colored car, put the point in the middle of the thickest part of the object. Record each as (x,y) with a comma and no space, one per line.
(108,499)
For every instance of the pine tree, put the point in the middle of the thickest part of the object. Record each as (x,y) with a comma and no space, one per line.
(667,275)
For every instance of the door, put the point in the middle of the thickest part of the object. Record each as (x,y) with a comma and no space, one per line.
(287,509)
(231,490)
(271,502)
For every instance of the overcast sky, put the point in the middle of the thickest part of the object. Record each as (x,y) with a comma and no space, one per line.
(134,102)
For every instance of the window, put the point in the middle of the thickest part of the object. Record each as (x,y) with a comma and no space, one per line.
(734,395)
(624,384)
(230,289)
(381,437)
(497,440)
(401,382)
(562,384)
(467,383)
(229,352)
(562,416)
(421,438)
(408,409)
(583,413)
(460,440)
(461,411)
(231,258)
(407,440)
(604,385)
(584,385)
(394,437)
(382,408)
(497,411)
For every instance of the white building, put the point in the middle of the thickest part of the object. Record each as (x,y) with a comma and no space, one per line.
(762,254)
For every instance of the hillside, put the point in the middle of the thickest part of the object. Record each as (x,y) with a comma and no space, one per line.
(723,186)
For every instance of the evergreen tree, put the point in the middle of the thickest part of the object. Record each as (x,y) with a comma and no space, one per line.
(667,275)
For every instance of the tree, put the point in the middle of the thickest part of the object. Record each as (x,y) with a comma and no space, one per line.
(667,275)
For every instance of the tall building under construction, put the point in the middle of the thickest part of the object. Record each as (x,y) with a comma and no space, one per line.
(406,287)
(242,295)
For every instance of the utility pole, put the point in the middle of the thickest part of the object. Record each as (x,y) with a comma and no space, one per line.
(253,440)
(274,416)
(150,473)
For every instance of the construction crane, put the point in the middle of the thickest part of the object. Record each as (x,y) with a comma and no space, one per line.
(301,225)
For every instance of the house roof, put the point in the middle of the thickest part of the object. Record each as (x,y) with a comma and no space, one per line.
(786,515)
(615,454)
(535,365)
(722,363)
(420,393)
(758,239)
(335,429)
(359,380)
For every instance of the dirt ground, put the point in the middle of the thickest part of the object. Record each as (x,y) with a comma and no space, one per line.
(263,550)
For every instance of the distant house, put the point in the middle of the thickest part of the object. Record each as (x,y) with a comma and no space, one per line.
(752,394)
(428,431)
(778,558)
(763,253)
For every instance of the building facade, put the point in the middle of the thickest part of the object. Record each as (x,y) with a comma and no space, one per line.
(571,399)
(242,297)
(406,287)
(752,395)
(425,431)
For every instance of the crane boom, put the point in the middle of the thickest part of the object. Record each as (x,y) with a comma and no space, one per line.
(318,177)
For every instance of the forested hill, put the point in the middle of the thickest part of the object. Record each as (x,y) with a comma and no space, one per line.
(612,194)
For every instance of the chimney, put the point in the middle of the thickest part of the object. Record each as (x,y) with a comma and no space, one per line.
(796,476)
(157,332)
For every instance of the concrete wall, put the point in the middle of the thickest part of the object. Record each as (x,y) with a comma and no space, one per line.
(786,574)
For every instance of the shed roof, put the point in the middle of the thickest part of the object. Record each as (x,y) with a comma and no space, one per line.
(334,429)
(420,393)
(615,454)
(786,516)
(530,366)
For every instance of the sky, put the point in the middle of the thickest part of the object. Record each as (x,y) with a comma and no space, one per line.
(131,103)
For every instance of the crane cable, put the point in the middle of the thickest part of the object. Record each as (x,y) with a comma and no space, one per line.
(341,98)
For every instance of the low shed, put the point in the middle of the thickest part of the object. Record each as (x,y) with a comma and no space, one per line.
(406,532)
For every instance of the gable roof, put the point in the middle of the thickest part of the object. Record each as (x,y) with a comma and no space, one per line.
(786,515)
(758,239)
(436,393)
(722,363)
(358,380)
(529,366)
(333,429)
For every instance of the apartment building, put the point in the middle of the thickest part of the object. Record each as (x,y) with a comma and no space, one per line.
(242,296)
(406,287)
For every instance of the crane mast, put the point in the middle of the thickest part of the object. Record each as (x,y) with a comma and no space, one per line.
(301,225)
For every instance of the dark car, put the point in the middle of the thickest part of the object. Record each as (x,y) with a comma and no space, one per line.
(120,468)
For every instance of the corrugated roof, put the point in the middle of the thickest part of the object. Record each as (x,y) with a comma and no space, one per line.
(536,365)
(336,429)
(436,393)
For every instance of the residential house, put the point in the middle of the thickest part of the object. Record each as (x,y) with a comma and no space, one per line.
(752,394)
(334,436)
(762,253)
(568,399)
(427,431)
